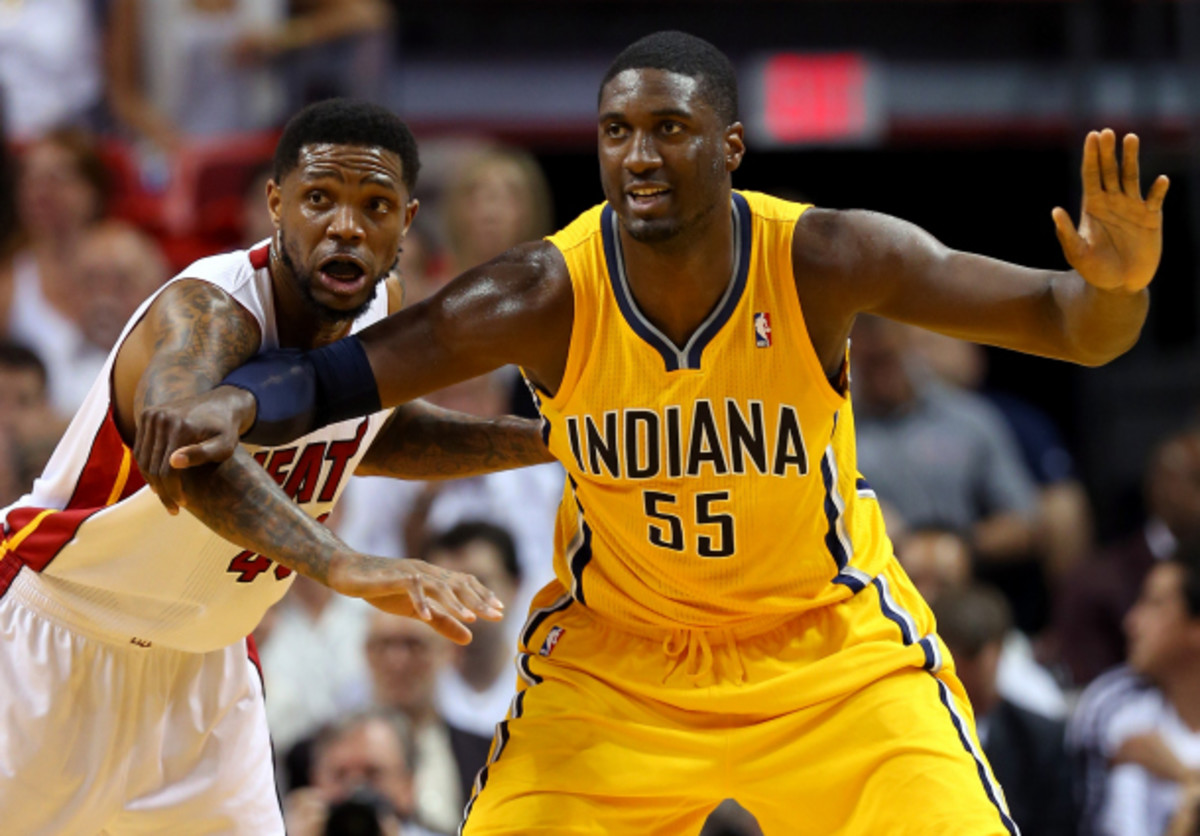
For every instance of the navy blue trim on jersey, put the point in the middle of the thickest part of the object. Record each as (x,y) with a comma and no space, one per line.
(538,616)
(892,612)
(965,739)
(689,356)
(832,542)
(581,555)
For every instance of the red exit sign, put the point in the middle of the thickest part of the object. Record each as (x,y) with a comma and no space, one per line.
(817,99)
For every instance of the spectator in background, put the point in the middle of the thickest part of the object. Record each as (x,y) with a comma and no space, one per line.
(395,518)
(181,69)
(405,657)
(61,192)
(498,199)
(1064,518)
(256,220)
(30,427)
(362,781)
(1026,750)
(313,656)
(474,692)
(1137,730)
(939,562)
(1094,602)
(49,66)
(940,455)
(116,267)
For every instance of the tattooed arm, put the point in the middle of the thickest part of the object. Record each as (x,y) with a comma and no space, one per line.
(191,336)
(423,441)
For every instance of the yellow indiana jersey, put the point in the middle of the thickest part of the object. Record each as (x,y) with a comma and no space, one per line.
(711,484)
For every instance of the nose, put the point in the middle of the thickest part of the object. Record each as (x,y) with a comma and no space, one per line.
(643,154)
(346,225)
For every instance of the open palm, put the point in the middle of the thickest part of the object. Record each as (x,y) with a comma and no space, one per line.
(1118,243)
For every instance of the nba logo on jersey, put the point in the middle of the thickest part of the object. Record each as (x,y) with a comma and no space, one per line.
(762,330)
(551,641)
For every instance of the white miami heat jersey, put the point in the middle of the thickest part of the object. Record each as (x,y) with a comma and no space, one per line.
(107,554)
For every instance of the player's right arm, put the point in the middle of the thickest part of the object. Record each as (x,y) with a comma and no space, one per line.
(192,335)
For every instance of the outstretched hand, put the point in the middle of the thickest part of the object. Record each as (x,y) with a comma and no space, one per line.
(191,431)
(442,598)
(1118,243)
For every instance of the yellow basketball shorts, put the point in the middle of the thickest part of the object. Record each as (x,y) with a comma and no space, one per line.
(845,720)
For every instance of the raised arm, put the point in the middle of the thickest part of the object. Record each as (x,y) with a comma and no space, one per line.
(194,334)
(862,262)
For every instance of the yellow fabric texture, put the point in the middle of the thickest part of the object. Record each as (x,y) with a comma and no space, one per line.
(691,527)
(728,618)
(826,724)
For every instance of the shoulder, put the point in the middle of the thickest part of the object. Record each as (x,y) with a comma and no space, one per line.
(1117,695)
(580,232)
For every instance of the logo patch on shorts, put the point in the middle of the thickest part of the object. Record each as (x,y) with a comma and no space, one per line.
(551,641)
(762,330)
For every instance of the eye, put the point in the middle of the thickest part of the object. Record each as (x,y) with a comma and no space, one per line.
(315,197)
(379,205)
(672,128)
(615,130)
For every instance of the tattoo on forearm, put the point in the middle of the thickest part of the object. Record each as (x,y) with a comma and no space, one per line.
(241,502)
(199,337)
(430,443)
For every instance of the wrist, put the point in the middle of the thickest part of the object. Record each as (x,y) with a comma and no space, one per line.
(243,406)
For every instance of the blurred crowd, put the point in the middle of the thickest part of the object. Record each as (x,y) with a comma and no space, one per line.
(138,138)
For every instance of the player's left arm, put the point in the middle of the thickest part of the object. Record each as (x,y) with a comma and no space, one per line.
(423,441)
(862,262)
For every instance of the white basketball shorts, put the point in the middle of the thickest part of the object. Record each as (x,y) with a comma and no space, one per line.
(98,737)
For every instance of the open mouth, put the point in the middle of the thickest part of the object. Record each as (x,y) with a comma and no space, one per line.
(342,272)
(647,195)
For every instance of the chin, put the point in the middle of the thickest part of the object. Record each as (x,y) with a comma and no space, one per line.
(652,232)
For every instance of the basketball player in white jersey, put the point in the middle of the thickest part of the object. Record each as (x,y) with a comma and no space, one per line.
(128,702)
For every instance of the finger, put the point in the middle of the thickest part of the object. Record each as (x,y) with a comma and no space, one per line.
(1158,191)
(447,595)
(216,449)
(1131,174)
(1071,243)
(449,627)
(1110,173)
(420,603)
(495,607)
(1091,165)
(171,488)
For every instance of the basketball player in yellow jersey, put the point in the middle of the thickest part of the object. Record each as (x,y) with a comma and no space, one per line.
(728,619)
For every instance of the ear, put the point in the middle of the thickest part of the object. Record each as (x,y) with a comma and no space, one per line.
(410,212)
(275,202)
(735,146)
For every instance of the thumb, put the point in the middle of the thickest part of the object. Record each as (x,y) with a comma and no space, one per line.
(216,449)
(1068,237)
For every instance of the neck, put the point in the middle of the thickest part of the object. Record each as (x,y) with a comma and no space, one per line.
(296,323)
(1182,688)
(678,282)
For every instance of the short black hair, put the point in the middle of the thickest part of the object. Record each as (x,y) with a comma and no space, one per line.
(472,531)
(1187,558)
(17,357)
(970,619)
(347,122)
(679,52)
